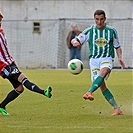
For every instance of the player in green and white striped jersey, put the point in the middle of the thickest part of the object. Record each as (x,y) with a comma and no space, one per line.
(102,40)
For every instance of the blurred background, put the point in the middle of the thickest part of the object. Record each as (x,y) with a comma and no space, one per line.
(36,30)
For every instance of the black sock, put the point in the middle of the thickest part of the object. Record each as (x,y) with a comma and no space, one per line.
(31,86)
(10,97)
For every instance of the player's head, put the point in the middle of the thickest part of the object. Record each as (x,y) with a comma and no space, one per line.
(1,17)
(100,18)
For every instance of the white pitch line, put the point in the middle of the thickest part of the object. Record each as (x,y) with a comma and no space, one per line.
(63,127)
(57,127)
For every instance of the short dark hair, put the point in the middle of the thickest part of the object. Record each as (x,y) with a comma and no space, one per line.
(99,12)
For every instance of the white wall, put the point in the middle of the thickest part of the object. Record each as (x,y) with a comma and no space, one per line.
(54,9)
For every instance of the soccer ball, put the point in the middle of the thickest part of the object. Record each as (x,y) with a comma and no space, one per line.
(75,66)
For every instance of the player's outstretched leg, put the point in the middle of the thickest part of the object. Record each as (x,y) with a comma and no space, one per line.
(10,97)
(33,87)
(110,98)
(95,85)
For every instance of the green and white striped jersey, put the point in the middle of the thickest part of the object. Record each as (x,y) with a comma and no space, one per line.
(101,42)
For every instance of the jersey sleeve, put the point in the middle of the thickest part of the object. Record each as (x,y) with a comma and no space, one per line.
(83,37)
(116,40)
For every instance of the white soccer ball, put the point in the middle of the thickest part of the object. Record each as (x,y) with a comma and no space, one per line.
(75,66)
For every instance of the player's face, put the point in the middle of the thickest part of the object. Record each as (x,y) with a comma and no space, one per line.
(99,20)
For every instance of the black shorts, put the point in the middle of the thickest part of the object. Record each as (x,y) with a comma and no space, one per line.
(12,73)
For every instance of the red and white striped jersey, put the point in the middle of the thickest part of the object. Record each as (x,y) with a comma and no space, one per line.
(5,57)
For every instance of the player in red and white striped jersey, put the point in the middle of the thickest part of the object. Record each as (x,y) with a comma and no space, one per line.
(5,58)
(10,71)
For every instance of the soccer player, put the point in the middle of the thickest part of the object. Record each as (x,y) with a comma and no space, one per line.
(102,40)
(9,70)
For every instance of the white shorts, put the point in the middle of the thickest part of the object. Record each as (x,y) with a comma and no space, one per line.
(97,64)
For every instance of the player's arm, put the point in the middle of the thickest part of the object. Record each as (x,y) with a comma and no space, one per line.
(119,54)
(118,49)
(80,39)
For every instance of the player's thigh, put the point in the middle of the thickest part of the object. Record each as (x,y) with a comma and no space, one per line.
(106,62)
(94,68)
(12,73)
(15,83)
(106,67)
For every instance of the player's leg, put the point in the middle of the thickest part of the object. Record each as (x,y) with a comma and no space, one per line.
(96,80)
(106,63)
(95,85)
(12,72)
(33,87)
(99,80)
(110,99)
(100,68)
(108,95)
(11,95)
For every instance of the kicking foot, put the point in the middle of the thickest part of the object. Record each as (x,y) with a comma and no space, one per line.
(117,112)
(4,112)
(47,92)
(89,96)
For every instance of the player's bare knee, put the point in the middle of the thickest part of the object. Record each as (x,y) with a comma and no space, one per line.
(20,88)
(104,72)
(21,77)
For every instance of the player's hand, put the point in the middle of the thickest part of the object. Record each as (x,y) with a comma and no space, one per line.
(122,63)
(75,43)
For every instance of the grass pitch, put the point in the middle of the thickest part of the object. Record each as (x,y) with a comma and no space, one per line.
(67,111)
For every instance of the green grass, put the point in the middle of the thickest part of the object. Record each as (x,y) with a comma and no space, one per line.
(67,111)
